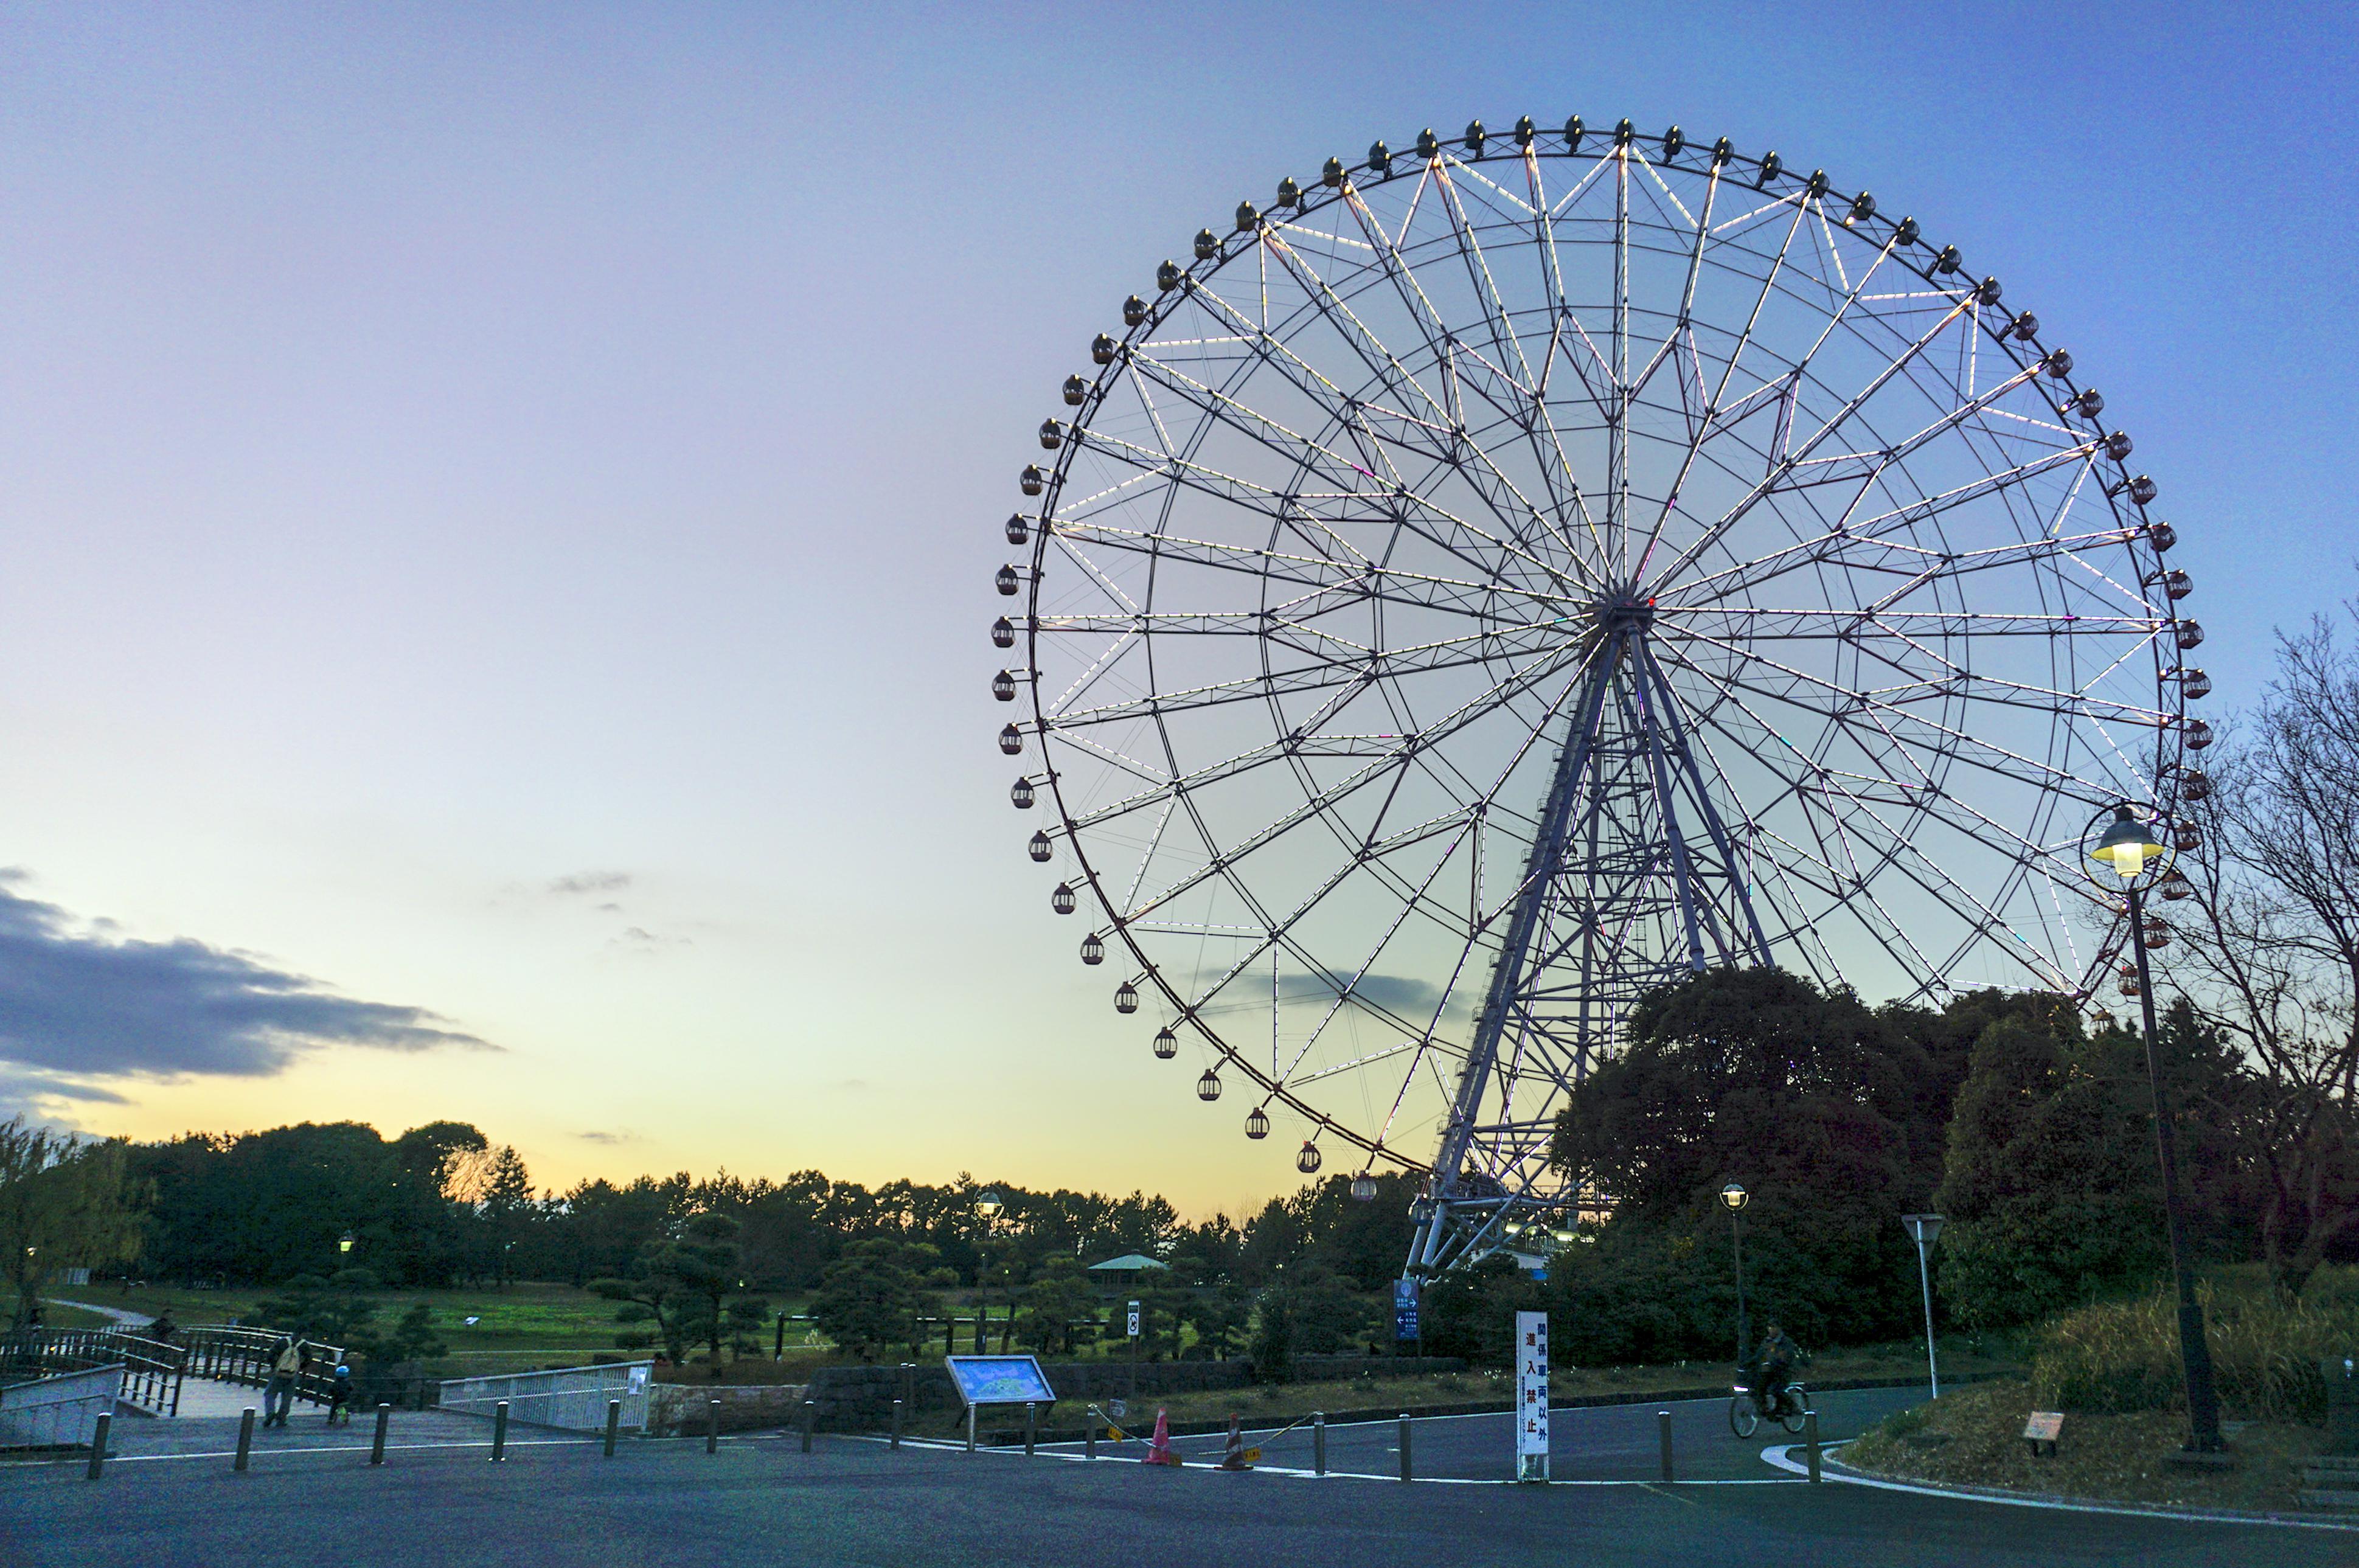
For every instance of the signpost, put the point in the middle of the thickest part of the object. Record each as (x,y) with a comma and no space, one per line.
(1531,1397)
(1405,1305)
(1922,1230)
(997,1380)
(1133,1391)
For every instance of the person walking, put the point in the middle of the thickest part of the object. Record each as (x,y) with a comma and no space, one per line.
(340,1395)
(278,1394)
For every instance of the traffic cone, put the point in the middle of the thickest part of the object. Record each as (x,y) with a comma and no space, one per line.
(1235,1458)
(1158,1451)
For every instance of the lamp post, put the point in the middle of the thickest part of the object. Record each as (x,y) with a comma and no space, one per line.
(2130,849)
(1735,1198)
(1922,1229)
(987,1208)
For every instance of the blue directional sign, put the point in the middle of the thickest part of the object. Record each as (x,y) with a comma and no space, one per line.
(1405,1309)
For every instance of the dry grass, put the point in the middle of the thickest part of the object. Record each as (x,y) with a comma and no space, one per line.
(1974,1437)
(2120,1357)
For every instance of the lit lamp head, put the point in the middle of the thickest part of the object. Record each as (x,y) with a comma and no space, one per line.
(989,1204)
(2127,845)
(1734,1196)
(345,1244)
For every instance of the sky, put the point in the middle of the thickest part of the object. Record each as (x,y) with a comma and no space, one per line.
(500,502)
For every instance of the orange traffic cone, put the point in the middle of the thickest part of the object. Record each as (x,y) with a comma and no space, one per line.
(1158,1451)
(1235,1458)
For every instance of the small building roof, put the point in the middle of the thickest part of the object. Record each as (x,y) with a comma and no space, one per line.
(1128,1263)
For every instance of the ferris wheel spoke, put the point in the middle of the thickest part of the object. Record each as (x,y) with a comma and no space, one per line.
(1281,747)
(1443,451)
(1468,459)
(1834,548)
(1974,751)
(1361,673)
(1549,457)
(1355,580)
(1783,462)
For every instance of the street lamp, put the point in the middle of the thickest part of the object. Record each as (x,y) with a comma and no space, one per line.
(1922,1229)
(2132,850)
(1735,1198)
(987,1208)
(345,1244)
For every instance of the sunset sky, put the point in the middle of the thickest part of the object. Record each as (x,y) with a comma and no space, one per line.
(500,502)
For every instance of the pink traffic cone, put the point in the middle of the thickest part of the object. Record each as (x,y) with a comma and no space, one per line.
(1158,1451)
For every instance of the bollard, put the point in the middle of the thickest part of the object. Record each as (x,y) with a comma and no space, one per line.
(614,1423)
(500,1432)
(896,1424)
(1404,1445)
(1663,1423)
(1811,1436)
(377,1445)
(98,1443)
(244,1436)
(1031,1425)
(713,1426)
(1318,1442)
(970,1428)
(811,1418)
(1090,1437)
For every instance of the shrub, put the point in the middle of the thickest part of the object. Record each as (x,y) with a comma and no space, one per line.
(2123,1356)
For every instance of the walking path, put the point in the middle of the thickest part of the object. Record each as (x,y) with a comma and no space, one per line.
(123,1317)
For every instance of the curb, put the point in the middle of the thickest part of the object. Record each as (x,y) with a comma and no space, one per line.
(1836,1470)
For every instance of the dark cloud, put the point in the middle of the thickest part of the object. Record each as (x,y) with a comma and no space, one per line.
(77,1002)
(590,882)
(1405,995)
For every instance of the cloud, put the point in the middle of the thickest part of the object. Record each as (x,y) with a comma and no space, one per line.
(608,1140)
(1405,995)
(589,882)
(78,1002)
(638,939)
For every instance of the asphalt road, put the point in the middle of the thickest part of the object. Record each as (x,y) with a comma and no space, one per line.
(851,1502)
(1611,1442)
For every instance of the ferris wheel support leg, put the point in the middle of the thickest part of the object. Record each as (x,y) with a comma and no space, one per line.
(1682,868)
(1430,1249)
(1653,671)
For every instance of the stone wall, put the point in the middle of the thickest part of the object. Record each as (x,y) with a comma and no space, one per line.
(859,1399)
(681,1410)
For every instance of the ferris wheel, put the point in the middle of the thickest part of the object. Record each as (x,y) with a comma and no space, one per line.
(1510,574)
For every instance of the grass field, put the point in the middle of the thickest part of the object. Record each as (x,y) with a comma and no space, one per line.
(523,1326)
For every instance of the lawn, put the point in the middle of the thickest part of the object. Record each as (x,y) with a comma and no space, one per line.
(525,1325)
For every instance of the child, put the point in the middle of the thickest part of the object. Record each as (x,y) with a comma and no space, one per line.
(340,1395)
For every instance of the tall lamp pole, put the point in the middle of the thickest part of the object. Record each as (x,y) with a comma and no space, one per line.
(988,1206)
(1922,1230)
(2130,849)
(1735,1197)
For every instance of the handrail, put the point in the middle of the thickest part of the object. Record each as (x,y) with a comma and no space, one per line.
(151,1370)
(233,1353)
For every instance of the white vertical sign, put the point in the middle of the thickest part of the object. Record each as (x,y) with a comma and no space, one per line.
(1531,1397)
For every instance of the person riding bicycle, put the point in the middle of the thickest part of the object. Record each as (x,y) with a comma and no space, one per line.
(1774,1360)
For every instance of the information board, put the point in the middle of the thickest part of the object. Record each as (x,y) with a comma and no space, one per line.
(999,1379)
(1531,1397)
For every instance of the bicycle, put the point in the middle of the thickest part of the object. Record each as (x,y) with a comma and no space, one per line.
(1745,1412)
